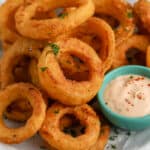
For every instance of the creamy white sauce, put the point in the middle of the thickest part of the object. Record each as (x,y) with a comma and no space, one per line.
(129,95)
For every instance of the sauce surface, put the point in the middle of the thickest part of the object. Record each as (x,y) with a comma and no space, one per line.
(129,95)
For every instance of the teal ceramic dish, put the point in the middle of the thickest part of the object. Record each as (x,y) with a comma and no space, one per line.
(121,121)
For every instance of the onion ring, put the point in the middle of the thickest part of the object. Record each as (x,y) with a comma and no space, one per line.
(65,122)
(64,90)
(142,10)
(148,57)
(50,28)
(51,132)
(140,42)
(101,30)
(121,11)
(21,48)
(100,37)
(103,135)
(9,33)
(33,124)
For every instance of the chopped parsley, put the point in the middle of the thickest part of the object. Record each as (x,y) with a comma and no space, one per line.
(54,47)
(43,69)
(62,15)
(130,14)
(113,146)
(112,138)
(128,133)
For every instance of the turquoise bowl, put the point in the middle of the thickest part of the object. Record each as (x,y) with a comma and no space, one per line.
(129,123)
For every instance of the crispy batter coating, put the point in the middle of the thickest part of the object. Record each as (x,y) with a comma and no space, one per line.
(142,10)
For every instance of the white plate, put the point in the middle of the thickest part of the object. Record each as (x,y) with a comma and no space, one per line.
(122,140)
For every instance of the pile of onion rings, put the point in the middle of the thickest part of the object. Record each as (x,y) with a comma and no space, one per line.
(55,57)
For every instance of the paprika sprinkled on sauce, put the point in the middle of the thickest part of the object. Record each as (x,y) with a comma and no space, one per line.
(129,95)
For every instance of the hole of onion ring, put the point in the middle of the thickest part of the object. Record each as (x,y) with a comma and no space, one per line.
(136,57)
(74,68)
(69,124)
(12,123)
(92,39)
(113,22)
(17,112)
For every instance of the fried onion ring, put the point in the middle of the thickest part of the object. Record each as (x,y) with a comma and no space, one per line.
(33,124)
(121,11)
(57,85)
(51,27)
(148,57)
(51,132)
(140,42)
(8,31)
(22,47)
(142,10)
(103,135)
(100,37)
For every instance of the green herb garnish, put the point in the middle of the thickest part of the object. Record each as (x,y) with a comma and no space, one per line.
(130,14)
(43,69)
(54,47)
(62,15)
(113,146)
(128,133)
(112,138)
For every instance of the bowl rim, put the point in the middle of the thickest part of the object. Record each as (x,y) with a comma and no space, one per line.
(106,107)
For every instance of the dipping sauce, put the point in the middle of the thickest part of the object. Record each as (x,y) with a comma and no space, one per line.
(129,95)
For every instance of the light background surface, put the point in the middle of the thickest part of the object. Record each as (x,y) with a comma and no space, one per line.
(123,139)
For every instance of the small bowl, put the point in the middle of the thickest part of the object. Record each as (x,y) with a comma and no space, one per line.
(129,123)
